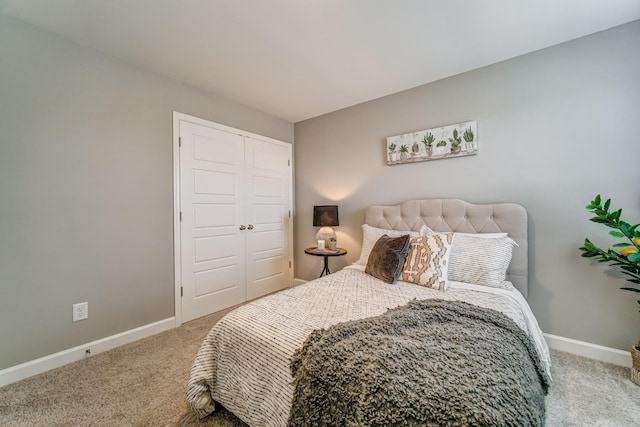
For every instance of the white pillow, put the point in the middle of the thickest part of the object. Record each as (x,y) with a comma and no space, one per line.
(480,260)
(429,232)
(485,235)
(370,236)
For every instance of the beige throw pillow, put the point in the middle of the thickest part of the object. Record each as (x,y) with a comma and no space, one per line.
(428,261)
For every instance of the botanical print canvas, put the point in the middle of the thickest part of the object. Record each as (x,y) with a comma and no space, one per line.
(438,143)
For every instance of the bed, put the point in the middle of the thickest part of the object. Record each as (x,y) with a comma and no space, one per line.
(352,349)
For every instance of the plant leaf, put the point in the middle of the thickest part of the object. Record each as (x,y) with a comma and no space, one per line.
(634,258)
(624,227)
(616,215)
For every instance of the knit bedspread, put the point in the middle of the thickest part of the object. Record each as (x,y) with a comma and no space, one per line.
(427,363)
(244,362)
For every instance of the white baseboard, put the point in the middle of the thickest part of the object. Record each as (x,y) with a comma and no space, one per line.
(297,282)
(592,351)
(56,360)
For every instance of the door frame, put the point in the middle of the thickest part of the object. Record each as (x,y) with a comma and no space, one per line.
(177,250)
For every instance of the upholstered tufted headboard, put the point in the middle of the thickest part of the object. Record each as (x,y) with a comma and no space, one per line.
(458,215)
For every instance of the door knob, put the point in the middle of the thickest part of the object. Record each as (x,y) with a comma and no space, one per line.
(242,227)
(250,227)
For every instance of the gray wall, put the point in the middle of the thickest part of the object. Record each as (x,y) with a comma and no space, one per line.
(555,128)
(86,190)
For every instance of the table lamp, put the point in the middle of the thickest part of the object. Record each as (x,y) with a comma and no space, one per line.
(325,217)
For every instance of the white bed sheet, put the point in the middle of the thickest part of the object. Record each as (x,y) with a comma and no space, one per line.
(243,362)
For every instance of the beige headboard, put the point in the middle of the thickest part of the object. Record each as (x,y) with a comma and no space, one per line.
(458,215)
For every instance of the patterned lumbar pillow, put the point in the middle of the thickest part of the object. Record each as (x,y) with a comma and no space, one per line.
(387,258)
(480,260)
(428,261)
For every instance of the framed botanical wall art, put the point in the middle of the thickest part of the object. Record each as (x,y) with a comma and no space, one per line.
(438,143)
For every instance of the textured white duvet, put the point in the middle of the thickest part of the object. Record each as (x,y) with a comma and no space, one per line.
(243,362)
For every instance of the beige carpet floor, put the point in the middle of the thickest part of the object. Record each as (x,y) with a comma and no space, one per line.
(144,383)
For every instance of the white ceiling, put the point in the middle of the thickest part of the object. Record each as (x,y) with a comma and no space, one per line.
(297,59)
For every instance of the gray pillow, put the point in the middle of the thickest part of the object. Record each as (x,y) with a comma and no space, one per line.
(387,258)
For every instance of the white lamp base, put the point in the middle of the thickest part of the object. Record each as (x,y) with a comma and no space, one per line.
(325,233)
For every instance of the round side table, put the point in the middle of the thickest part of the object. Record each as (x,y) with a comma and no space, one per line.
(326,253)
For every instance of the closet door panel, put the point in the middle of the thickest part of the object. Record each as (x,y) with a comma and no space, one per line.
(212,187)
(268,204)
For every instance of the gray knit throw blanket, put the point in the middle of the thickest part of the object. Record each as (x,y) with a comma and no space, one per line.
(428,363)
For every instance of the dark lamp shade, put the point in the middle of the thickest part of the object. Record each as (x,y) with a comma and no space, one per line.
(325,216)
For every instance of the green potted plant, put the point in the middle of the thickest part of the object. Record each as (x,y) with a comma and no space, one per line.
(404,151)
(428,143)
(468,139)
(332,243)
(415,149)
(625,255)
(393,156)
(441,147)
(455,142)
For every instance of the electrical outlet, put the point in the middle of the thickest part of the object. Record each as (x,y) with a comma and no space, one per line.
(80,311)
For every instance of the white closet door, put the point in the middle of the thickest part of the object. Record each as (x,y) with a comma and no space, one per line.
(268,189)
(212,181)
